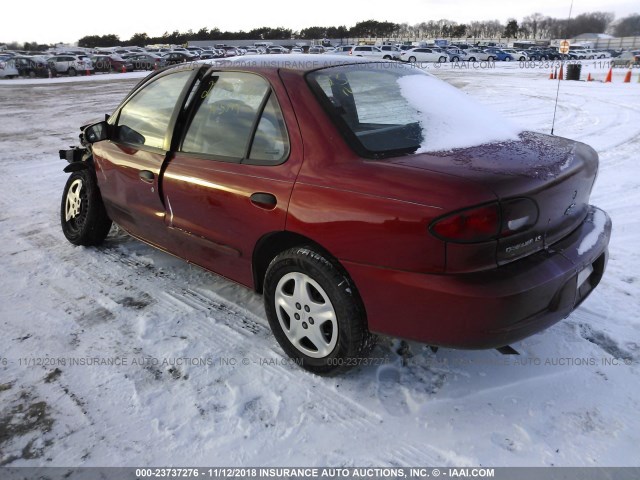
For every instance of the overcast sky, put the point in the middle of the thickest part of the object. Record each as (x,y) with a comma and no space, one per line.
(69,20)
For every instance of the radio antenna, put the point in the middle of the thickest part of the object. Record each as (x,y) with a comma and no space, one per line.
(555,108)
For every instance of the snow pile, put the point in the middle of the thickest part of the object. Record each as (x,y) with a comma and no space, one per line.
(449,118)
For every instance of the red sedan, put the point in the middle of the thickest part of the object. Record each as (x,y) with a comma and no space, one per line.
(359,197)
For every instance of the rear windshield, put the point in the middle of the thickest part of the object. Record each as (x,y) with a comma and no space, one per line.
(387,109)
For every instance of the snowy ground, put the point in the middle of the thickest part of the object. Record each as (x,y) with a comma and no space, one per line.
(571,399)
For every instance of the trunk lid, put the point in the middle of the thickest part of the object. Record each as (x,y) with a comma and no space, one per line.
(556,173)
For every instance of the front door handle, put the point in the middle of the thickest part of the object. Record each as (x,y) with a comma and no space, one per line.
(146,176)
(264,200)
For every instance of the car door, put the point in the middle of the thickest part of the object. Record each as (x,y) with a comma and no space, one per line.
(129,163)
(231,177)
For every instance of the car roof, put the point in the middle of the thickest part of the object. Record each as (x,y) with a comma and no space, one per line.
(291,62)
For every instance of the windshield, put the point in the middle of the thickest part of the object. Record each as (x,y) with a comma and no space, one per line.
(387,109)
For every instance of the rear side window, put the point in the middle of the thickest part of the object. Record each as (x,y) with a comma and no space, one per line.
(386,109)
(238,114)
(145,118)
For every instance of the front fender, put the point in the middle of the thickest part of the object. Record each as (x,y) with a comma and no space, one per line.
(76,166)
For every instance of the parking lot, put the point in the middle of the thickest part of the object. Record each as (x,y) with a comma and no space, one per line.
(569,399)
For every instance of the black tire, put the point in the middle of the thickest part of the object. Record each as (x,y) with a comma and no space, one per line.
(386,57)
(507,58)
(325,288)
(442,60)
(472,59)
(83,217)
(32,74)
(412,59)
(455,59)
(72,72)
(491,59)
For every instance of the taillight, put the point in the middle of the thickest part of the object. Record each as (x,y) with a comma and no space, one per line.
(486,222)
(517,215)
(477,224)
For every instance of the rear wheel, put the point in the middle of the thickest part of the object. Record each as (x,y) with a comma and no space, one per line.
(72,72)
(491,59)
(472,59)
(442,59)
(412,59)
(83,217)
(314,312)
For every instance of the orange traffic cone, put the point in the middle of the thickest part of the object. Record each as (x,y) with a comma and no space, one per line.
(124,69)
(627,77)
(608,79)
(86,72)
(561,74)
(551,75)
(589,79)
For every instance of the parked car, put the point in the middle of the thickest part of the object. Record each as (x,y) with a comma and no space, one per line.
(579,54)
(173,58)
(31,66)
(7,67)
(147,61)
(207,54)
(626,59)
(70,64)
(274,49)
(300,50)
(341,50)
(392,52)
(517,55)
(456,54)
(498,54)
(345,194)
(423,55)
(111,63)
(367,51)
(602,54)
(477,55)
(316,49)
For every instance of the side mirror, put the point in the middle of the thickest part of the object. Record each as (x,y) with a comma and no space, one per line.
(96,132)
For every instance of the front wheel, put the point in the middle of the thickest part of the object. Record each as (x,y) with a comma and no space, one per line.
(83,217)
(442,59)
(507,59)
(412,59)
(72,72)
(314,312)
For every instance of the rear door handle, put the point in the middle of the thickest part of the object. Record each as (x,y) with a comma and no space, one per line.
(264,200)
(146,176)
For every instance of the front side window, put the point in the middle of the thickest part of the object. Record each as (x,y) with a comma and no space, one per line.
(144,120)
(237,114)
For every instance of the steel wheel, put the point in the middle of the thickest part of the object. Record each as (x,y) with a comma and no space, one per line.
(83,217)
(306,315)
(75,201)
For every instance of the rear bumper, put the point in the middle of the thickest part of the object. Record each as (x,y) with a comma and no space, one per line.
(492,308)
